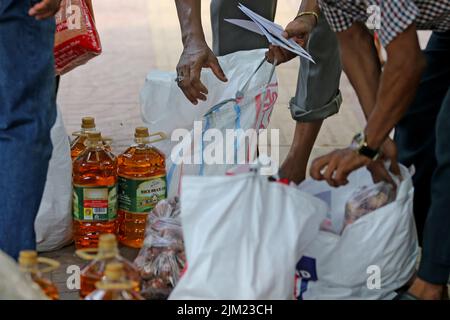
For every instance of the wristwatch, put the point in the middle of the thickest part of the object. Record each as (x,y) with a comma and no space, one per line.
(359,144)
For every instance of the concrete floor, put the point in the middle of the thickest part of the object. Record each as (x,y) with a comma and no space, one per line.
(141,35)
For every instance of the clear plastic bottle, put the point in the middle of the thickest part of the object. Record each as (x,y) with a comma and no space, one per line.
(29,265)
(78,144)
(114,285)
(107,252)
(142,184)
(94,193)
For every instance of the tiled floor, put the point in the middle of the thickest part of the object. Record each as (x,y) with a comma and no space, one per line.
(141,35)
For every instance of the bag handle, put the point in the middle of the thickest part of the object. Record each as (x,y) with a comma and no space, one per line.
(87,253)
(241,93)
(51,264)
(162,136)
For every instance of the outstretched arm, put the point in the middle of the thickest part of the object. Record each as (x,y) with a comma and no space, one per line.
(196,53)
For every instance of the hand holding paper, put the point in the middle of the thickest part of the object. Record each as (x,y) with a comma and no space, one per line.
(272,31)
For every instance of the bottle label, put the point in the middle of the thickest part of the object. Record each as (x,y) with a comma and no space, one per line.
(141,195)
(94,203)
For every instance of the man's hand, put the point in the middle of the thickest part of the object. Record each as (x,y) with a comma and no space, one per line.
(189,68)
(299,30)
(45,9)
(337,165)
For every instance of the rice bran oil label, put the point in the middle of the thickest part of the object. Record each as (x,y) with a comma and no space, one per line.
(141,195)
(95,203)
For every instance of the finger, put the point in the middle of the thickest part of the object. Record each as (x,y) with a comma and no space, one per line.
(395,167)
(38,8)
(196,84)
(217,69)
(270,54)
(317,167)
(379,173)
(184,71)
(197,95)
(330,171)
(295,29)
(340,178)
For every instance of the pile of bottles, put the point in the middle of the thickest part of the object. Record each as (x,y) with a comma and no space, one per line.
(114,194)
(108,275)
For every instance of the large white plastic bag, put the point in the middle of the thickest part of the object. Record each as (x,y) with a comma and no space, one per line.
(13,285)
(243,236)
(165,108)
(345,267)
(53,224)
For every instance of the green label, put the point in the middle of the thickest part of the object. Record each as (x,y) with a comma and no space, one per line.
(94,203)
(141,195)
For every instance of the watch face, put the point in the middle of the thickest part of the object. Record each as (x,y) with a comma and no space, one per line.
(358,141)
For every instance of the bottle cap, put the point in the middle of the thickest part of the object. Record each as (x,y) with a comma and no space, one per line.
(141,132)
(114,271)
(28,258)
(94,136)
(87,123)
(107,241)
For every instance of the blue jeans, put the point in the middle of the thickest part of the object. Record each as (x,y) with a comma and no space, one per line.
(423,139)
(27,113)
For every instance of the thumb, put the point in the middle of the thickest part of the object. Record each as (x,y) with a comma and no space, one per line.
(217,70)
(395,168)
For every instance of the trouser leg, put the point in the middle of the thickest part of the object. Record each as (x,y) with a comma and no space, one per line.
(27,113)
(228,38)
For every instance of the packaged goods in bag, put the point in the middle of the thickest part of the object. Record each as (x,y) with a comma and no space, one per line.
(114,285)
(30,263)
(53,224)
(368,199)
(76,39)
(142,184)
(242,106)
(245,240)
(162,257)
(374,255)
(94,193)
(107,252)
(14,285)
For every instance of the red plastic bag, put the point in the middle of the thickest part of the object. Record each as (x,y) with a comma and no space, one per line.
(76,39)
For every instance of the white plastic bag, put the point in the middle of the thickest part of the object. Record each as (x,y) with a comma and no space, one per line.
(373,257)
(53,224)
(245,102)
(243,236)
(13,285)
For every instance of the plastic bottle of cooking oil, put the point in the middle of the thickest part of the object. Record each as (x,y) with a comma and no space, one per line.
(107,252)
(29,265)
(94,179)
(114,285)
(142,184)
(78,145)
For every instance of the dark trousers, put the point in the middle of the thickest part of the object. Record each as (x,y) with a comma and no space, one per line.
(423,138)
(228,38)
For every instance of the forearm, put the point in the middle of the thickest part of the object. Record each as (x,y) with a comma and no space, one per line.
(189,15)
(398,86)
(309,5)
(361,64)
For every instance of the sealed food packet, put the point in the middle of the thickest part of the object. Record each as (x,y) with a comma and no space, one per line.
(367,199)
(76,38)
(162,257)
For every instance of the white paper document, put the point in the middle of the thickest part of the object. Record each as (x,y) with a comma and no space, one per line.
(272,31)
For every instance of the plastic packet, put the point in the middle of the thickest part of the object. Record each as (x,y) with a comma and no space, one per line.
(76,38)
(162,257)
(368,199)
